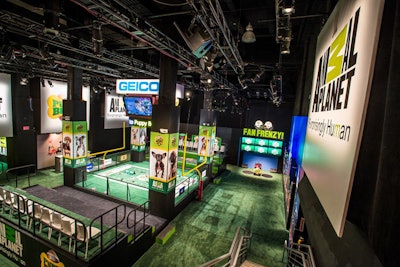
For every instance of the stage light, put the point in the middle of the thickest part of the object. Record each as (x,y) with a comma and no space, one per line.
(50,83)
(285,48)
(249,36)
(288,7)
(198,39)
(24,81)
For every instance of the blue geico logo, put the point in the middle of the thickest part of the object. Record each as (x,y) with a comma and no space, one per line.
(138,86)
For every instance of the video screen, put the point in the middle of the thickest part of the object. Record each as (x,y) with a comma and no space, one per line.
(138,106)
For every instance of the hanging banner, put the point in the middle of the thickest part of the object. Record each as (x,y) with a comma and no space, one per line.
(6,118)
(343,72)
(51,102)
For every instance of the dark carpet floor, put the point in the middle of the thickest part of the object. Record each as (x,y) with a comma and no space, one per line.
(89,206)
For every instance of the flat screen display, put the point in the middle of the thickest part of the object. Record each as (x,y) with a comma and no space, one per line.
(138,106)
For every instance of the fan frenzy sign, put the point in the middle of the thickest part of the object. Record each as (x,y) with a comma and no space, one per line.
(344,65)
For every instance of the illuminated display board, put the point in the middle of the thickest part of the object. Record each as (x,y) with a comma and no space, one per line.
(262,146)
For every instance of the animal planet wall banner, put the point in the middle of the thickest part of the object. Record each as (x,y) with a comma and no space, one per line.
(6,119)
(75,143)
(138,138)
(343,73)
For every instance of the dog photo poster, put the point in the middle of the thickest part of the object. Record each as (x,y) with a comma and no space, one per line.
(158,156)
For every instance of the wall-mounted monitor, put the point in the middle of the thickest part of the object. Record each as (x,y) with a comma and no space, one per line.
(138,106)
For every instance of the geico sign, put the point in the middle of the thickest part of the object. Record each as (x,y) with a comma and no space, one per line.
(138,86)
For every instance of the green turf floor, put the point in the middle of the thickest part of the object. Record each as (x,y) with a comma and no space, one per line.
(129,181)
(204,230)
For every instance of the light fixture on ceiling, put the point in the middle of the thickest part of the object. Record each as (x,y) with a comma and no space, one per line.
(24,81)
(285,47)
(249,36)
(288,7)
(50,83)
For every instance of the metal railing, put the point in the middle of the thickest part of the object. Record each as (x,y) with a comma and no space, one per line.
(138,221)
(299,255)
(21,207)
(237,253)
(28,167)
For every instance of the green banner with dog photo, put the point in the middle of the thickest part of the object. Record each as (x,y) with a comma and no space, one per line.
(75,143)
(206,143)
(163,156)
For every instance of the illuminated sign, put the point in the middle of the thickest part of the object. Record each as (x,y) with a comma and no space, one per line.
(138,86)
(263,133)
(343,73)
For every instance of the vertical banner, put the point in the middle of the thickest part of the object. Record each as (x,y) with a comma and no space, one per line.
(75,143)
(6,119)
(138,138)
(163,161)
(206,141)
(343,72)
(3,146)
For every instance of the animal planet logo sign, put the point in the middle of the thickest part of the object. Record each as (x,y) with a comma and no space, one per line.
(343,71)
(10,243)
(333,84)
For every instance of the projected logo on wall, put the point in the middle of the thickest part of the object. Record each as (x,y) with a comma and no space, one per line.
(344,62)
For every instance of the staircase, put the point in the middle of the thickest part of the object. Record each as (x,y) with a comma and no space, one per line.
(247,263)
(237,253)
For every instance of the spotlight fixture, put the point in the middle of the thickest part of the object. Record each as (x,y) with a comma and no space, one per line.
(24,81)
(249,36)
(285,48)
(50,83)
(288,7)
(43,83)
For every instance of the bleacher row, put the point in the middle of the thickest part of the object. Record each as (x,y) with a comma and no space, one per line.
(37,216)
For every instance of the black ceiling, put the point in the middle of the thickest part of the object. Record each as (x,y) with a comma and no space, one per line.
(42,38)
